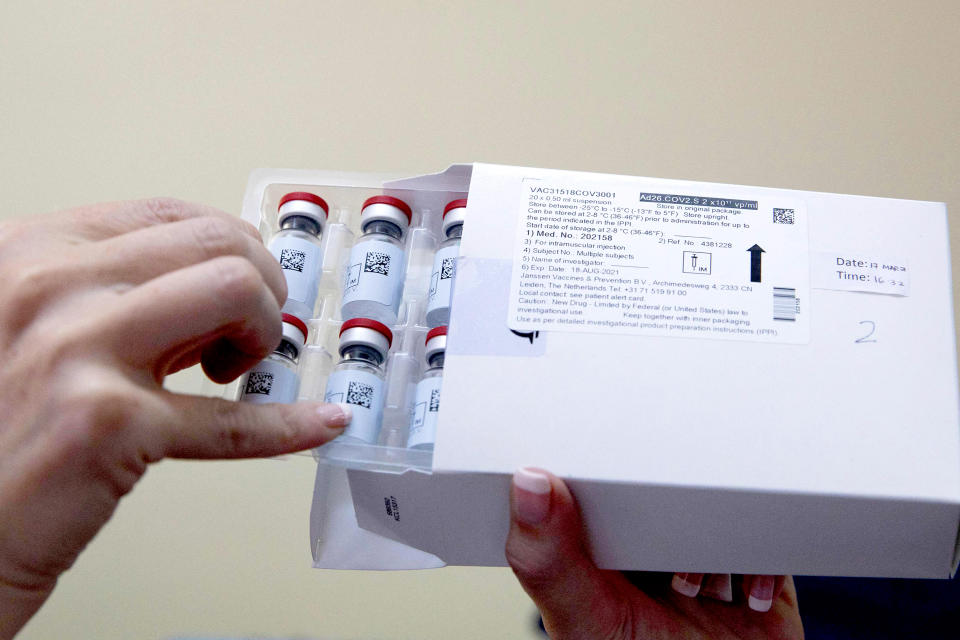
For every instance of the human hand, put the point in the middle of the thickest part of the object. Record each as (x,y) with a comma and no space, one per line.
(97,305)
(548,552)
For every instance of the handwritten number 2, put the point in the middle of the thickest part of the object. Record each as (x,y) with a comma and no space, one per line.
(867,338)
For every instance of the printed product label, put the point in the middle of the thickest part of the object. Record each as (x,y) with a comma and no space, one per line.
(375,272)
(364,392)
(642,258)
(441,280)
(300,261)
(270,381)
(426,404)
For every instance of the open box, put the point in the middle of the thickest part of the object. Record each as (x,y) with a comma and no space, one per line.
(730,379)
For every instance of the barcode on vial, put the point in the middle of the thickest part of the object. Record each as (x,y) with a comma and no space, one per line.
(784,304)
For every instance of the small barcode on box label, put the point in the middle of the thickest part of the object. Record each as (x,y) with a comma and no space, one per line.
(783,216)
(784,304)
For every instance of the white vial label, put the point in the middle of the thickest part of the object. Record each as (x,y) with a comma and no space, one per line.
(426,404)
(441,282)
(300,261)
(364,392)
(375,273)
(270,381)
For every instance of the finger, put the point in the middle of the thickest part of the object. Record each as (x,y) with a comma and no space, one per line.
(687,584)
(785,591)
(718,586)
(108,219)
(186,359)
(548,554)
(198,427)
(762,590)
(223,363)
(148,252)
(158,322)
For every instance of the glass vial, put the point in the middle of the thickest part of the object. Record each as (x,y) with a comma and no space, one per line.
(275,378)
(296,246)
(373,283)
(445,264)
(359,377)
(426,403)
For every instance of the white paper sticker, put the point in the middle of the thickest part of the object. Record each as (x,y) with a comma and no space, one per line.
(637,257)
(270,381)
(375,272)
(426,404)
(364,392)
(850,271)
(300,261)
(441,281)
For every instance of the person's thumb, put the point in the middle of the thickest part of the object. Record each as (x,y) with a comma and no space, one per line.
(548,553)
(200,427)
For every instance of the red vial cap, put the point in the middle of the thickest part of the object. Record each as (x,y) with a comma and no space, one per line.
(368,324)
(454,204)
(297,322)
(396,202)
(304,195)
(433,333)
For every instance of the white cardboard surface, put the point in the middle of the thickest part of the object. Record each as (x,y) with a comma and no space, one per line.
(832,416)
(835,457)
(841,439)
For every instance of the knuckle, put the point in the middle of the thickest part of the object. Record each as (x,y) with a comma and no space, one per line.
(620,623)
(26,288)
(242,429)
(95,407)
(75,342)
(285,429)
(67,355)
(216,237)
(271,332)
(234,434)
(251,230)
(21,284)
(96,416)
(238,280)
(534,564)
(165,209)
(235,441)
(10,233)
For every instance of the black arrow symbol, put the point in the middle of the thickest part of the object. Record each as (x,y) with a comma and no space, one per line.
(529,335)
(755,252)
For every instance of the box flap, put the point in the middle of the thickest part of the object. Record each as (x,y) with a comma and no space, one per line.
(338,543)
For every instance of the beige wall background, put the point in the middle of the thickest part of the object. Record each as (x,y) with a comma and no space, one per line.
(109,100)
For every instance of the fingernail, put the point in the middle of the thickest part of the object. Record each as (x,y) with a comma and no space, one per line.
(719,587)
(761,593)
(336,416)
(531,496)
(687,584)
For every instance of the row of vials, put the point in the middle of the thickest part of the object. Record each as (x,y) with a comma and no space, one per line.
(373,289)
(375,271)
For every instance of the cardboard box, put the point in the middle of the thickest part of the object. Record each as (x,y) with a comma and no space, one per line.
(731,379)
